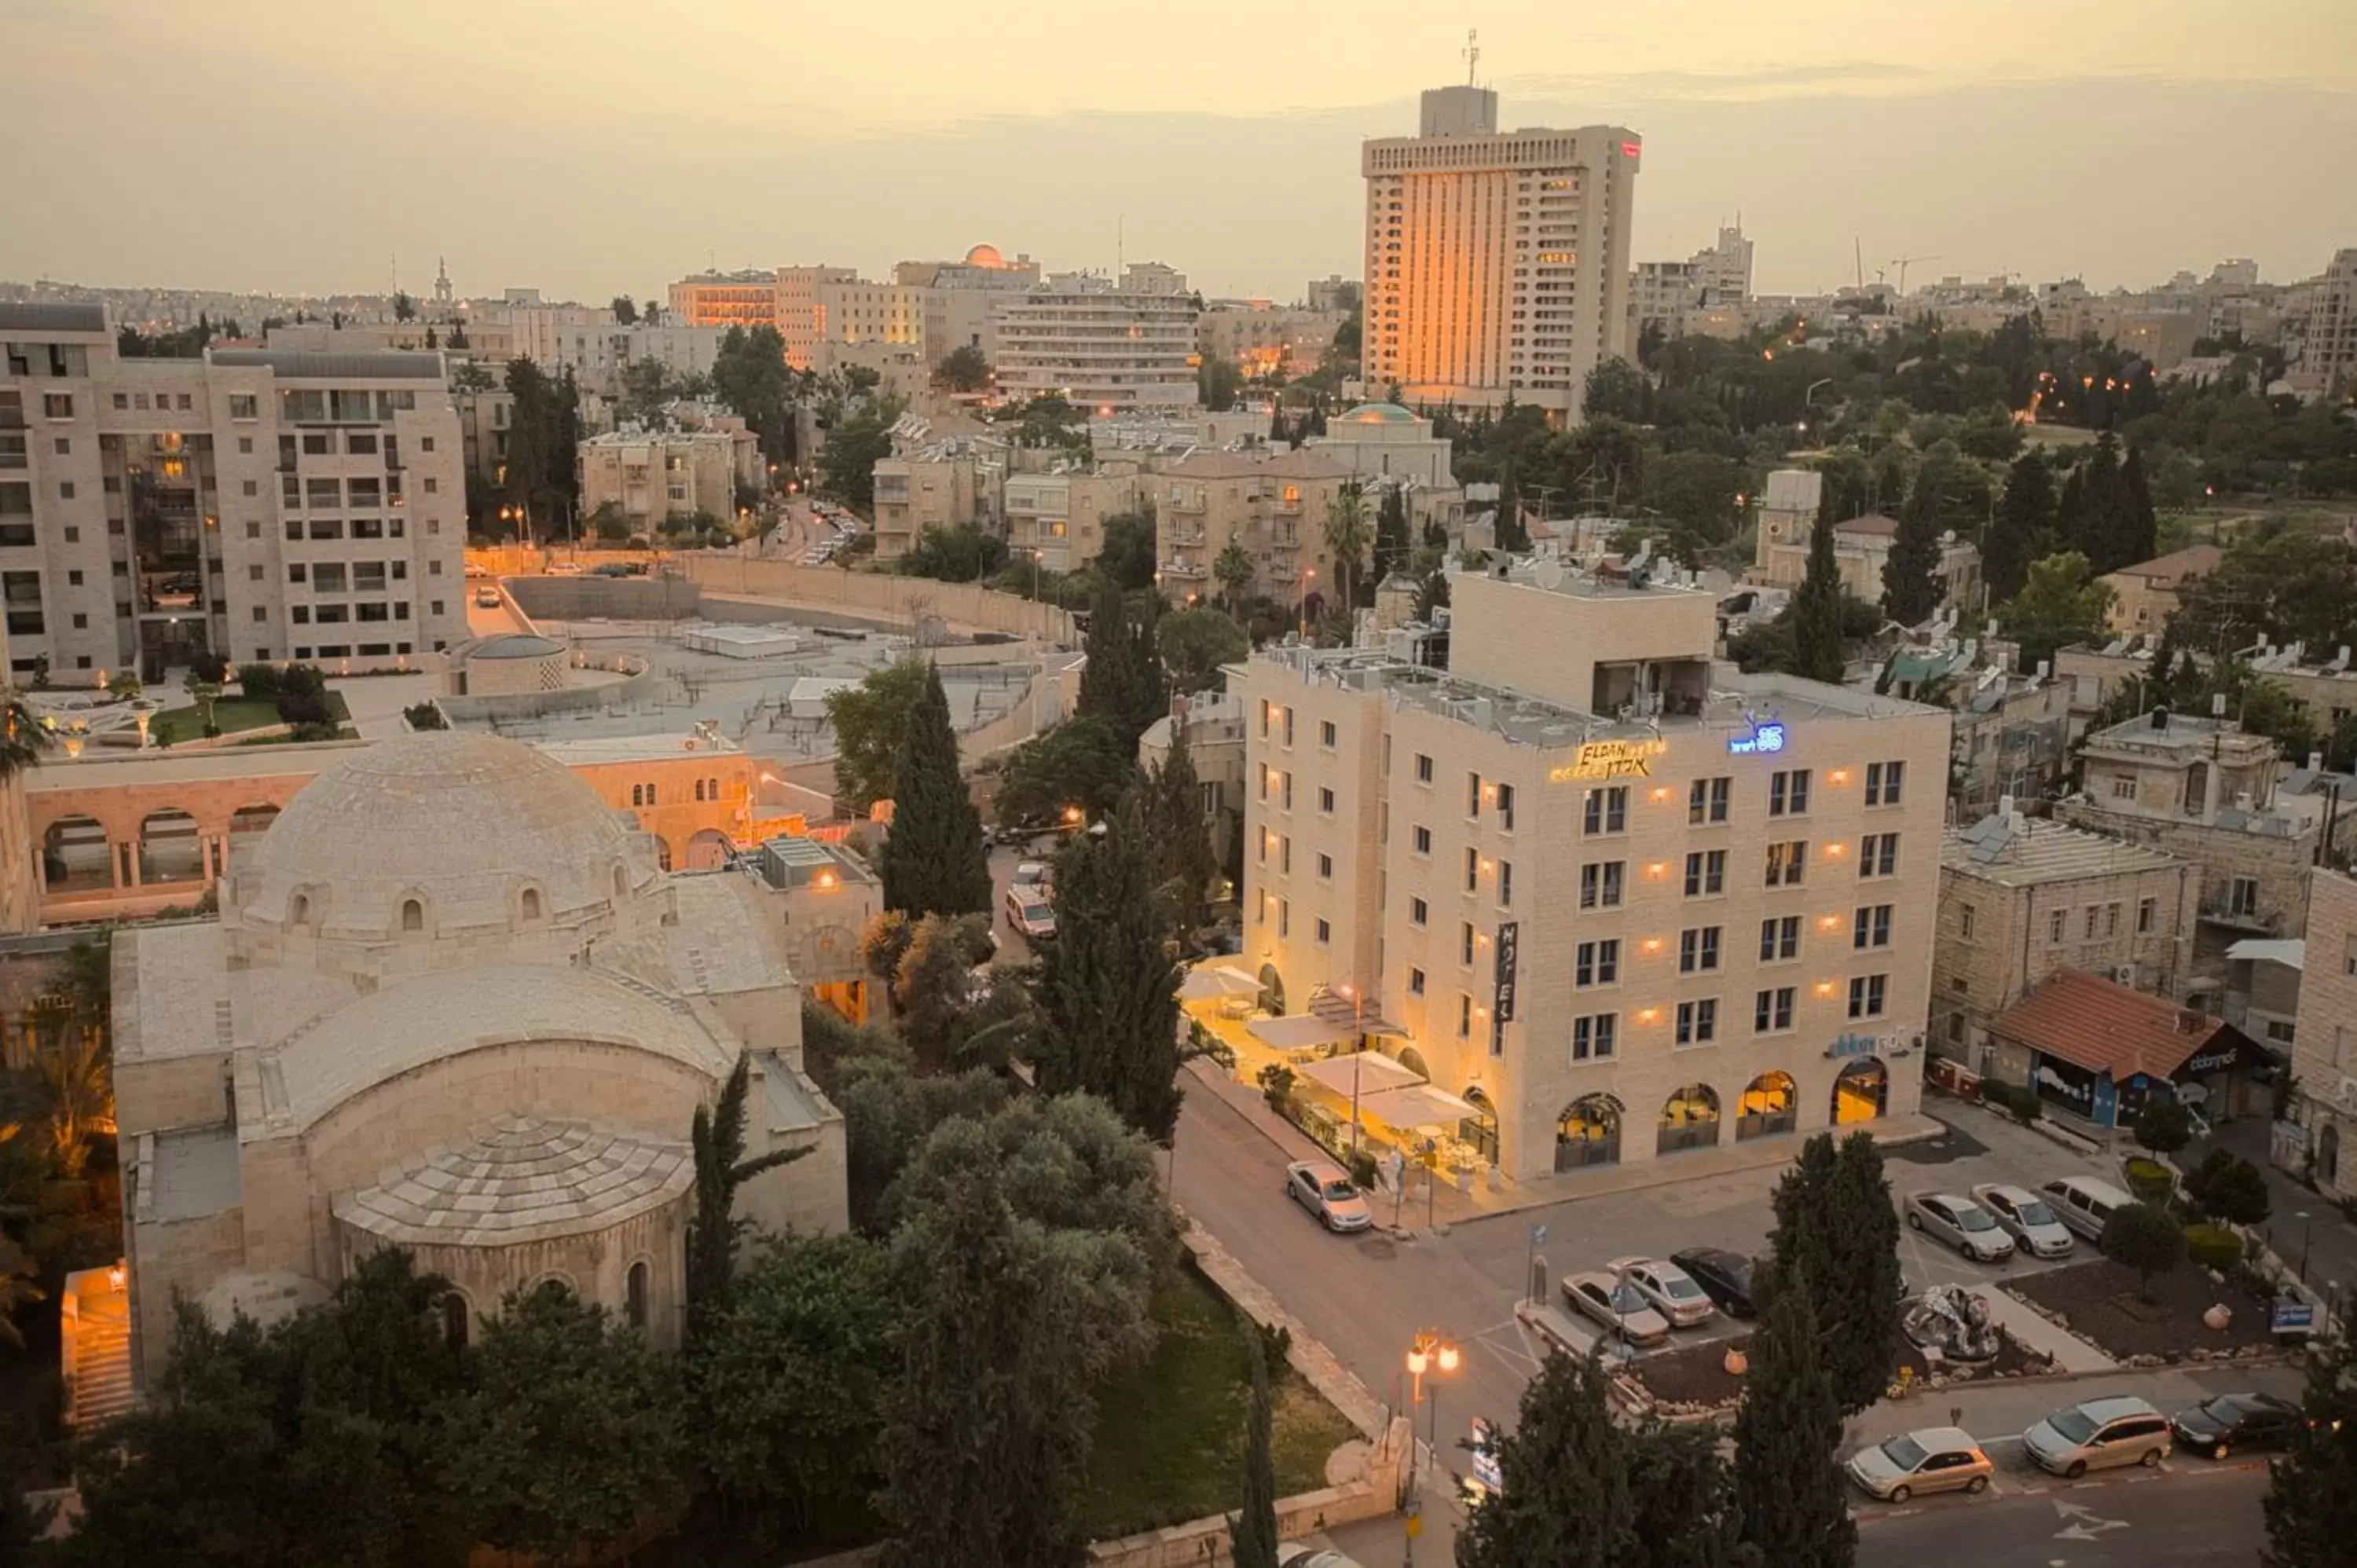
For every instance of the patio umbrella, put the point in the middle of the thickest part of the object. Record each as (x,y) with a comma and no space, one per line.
(1370,1072)
(1212,982)
(1416,1107)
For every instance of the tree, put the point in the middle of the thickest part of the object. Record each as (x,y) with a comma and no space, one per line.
(1233,568)
(573,1431)
(751,376)
(1788,1485)
(1431,595)
(962,553)
(2312,1501)
(2164,1125)
(888,1112)
(1252,1532)
(1079,764)
(404,308)
(23,739)
(963,369)
(645,383)
(1218,383)
(1834,1215)
(2295,586)
(2231,1188)
(1126,556)
(933,985)
(1616,390)
(1121,679)
(1392,540)
(2060,603)
(1348,535)
(792,1389)
(854,447)
(934,860)
(2090,504)
(2136,526)
(717,1138)
(1819,652)
(1911,584)
(625,309)
(1683,1495)
(1193,643)
(870,722)
(2023,529)
(1176,826)
(1107,987)
(1566,1501)
(2145,1237)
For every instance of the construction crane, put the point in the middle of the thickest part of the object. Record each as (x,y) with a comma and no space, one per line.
(1902,264)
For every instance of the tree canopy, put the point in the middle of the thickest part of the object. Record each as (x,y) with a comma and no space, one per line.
(934,861)
(870,722)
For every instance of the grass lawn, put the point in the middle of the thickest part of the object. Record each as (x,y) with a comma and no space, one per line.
(1170,1435)
(233,714)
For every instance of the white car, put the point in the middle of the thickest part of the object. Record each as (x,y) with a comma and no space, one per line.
(1327,1190)
(1961,1223)
(2025,1217)
(1618,1305)
(1669,1287)
(1032,874)
(1029,911)
(1295,1555)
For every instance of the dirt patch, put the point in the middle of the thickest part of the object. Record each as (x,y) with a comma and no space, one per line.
(1695,1379)
(2099,1302)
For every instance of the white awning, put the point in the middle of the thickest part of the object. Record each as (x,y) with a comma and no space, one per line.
(1297,1033)
(2289,952)
(1416,1106)
(1365,1072)
(1213,981)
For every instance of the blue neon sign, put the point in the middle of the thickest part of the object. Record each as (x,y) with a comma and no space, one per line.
(1762,738)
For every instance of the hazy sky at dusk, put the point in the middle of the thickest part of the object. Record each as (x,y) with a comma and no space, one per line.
(594,146)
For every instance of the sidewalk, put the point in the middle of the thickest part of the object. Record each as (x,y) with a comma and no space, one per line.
(2035,1332)
(2006,1409)
(2324,1241)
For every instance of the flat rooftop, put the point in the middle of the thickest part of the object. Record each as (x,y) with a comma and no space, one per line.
(2038,849)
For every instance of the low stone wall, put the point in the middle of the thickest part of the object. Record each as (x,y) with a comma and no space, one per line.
(590,598)
(637,685)
(904,601)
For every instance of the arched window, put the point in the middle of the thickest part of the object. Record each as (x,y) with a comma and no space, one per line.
(634,1297)
(712,789)
(298,912)
(699,788)
(412,915)
(453,1321)
(532,902)
(638,795)
(621,881)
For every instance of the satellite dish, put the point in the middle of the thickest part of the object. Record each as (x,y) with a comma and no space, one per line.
(1549,574)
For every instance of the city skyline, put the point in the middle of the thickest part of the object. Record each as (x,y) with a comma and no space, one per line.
(1988,137)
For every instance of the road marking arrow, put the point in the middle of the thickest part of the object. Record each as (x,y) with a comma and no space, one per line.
(2091,1529)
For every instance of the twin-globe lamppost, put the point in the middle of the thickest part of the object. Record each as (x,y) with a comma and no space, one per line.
(1430,1351)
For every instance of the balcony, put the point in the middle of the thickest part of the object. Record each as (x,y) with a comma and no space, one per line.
(1194,535)
(1192,571)
(2239,915)
(1184,500)
(1288,506)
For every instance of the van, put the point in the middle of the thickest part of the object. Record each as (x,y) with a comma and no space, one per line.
(2085,1203)
(2098,1435)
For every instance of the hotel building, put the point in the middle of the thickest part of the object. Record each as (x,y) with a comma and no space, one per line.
(1497,264)
(1622,901)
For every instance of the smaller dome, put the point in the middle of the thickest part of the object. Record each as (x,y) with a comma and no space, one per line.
(515,644)
(1378,413)
(985,256)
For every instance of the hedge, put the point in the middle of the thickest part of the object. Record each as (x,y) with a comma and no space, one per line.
(2213,1246)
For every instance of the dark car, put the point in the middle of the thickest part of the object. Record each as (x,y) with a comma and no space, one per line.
(1724,1277)
(2219,1426)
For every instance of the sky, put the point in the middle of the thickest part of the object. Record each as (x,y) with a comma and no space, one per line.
(592,147)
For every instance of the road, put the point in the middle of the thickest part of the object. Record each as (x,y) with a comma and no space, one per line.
(2145,1520)
(485,621)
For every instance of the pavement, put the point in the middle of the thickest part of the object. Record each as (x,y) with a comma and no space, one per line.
(2305,1229)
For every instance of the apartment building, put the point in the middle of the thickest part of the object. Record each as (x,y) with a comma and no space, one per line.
(855,311)
(2327,352)
(2145,594)
(2324,1043)
(1056,519)
(1261,338)
(1621,900)
(256,503)
(928,485)
(961,298)
(649,475)
(1667,294)
(1273,503)
(1101,344)
(746,300)
(1862,545)
(2022,897)
(1497,264)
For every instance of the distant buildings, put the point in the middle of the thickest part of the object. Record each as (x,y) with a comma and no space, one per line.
(1099,344)
(1497,264)
(1262,338)
(648,476)
(2145,594)
(2327,354)
(1667,294)
(1861,545)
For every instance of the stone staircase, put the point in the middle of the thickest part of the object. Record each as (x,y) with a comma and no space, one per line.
(99,1381)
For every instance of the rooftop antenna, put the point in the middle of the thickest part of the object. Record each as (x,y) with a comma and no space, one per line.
(1472,53)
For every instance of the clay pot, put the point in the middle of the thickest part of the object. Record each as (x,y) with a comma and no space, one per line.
(1737,1363)
(2219,1317)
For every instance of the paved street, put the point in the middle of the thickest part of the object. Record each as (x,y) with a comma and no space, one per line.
(2142,1520)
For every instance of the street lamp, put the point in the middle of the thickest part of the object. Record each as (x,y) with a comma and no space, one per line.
(1301,610)
(1430,1351)
(2307,1233)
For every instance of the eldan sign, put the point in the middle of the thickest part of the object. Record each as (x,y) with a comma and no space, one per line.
(1610,759)
(1763,738)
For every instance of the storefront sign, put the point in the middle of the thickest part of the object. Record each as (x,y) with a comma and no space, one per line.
(1763,738)
(1854,1045)
(2209,1061)
(1510,944)
(2290,1316)
(2066,1085)
(1610,759)
(1486,1472)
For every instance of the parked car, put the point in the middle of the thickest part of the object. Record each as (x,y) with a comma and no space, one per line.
(487,598)
(2083,1203)
(2219,1427)
(1030,913)
(1724,1277)
(1936,1459)
(1618,1305)
(1326,1190)
(1961,1223)
(1031,874)
(1669,1287)
(2026,1217)
(2098,1435)
(1294,1556)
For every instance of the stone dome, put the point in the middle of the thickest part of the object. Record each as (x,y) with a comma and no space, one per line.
(464,824)
(984,256)
(1377,413)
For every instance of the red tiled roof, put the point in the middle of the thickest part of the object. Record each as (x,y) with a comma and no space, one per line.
(2106,1027)
(1873,525)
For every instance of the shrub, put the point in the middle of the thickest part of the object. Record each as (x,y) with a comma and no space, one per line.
(1277,1086)
(2022,1104)
(2144,1238)
(2164,1126)
(2150,1179)
(258,681)
(2213,1247)
(424,715)
(1362,1161)
(303,696)
(2233,1189)
(210,668)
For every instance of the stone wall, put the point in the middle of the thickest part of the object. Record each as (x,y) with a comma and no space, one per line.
(903,601)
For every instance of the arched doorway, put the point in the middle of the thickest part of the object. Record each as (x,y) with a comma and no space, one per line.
(1770,1106)
(2328,1157)
(1861,1091)
(75,856)
(1689,1120)
(1412,1059)
(707,851)
(1481,1128)
(663,854)
(246,826)
(170,849)
(1271,991)
(453,1321)
(1588,1133)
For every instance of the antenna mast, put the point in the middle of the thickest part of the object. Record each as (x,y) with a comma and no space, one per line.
(1472,53)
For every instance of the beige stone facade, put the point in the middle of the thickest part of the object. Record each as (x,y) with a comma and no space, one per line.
(2324,1043)
(1273,503)
(1101,344)
(651,475)
(1621,901)
(940,485)
(1059,519)
(1262,339)
(2145,596)
(2021,897)
(1861,549)
(450,1004)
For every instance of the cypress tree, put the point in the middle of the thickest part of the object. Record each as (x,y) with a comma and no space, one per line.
(1817,609)
(1186,863)
(717,1140)
(2093,530)
(2312,1501)
(933,859)
(2024,528)
(1834,1222)
(1392,543)
(1122,682)
(1910,573)
(1251,1533)
(1788,1485)
(2138,528)
(1107,988)
(1566,1500)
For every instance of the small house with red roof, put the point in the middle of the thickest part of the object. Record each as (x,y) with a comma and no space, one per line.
(2099,1051)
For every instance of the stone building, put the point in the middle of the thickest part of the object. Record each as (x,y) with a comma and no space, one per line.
(2324,1043)
(1275,504)
(2145,594)
(451,1002)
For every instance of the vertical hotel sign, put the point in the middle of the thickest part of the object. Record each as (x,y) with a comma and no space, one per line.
(1510,944)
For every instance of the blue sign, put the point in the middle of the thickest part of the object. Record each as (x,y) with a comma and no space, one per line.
(1762,738)
(2292,1317)
(1851,1046)
(1486,1472)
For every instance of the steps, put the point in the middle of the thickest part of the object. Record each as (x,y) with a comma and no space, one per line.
(100,1388)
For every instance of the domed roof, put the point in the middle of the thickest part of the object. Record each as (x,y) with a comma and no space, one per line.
(1378,413)
(464,821)
(984,256)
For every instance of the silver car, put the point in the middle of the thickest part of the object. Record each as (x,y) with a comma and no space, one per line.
(1936,1459)
(1617,1305)
(2099,1434)
(2025,1217)
(1327,1191)
(1668,1287)
(1961,1223)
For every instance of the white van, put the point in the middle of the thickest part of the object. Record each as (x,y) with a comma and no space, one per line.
(2083,1203)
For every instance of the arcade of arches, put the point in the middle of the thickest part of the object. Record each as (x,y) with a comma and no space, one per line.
(1589,1131)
